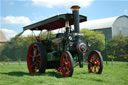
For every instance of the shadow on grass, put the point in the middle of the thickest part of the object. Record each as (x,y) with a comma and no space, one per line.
(82,73)
(54,74)
(19,74)
(51,74)
(16,73)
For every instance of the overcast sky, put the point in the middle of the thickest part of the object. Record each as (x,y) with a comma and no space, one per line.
(15,14)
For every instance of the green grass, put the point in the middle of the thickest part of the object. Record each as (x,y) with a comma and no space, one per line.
(15,74)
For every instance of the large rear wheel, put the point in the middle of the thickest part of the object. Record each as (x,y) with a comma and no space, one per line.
(95,62)
(36,58)
(66,64)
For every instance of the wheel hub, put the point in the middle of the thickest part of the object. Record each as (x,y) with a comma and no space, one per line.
(96,63)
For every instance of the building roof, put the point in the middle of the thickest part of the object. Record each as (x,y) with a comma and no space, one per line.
(2,37)
(100,23)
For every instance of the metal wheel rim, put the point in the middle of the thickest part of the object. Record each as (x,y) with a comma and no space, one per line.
(65,64)
(94,63)
(34,59)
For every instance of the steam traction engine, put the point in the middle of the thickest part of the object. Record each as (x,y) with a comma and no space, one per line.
(63,52)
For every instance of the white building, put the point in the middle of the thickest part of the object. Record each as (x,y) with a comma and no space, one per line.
(3,39)
(109,26)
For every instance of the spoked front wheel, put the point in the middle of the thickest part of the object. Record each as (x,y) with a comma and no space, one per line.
(95,62)
(66,64)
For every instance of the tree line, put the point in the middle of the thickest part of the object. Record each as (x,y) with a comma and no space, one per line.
(117,47)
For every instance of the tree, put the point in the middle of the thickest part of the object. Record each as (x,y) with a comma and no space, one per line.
(118,46)
(1,48)
(112,58)
(126,56)
(19,60)
(5,59)
(16,49)
(96,39)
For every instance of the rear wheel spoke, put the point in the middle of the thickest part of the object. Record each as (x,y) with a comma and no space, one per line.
(33,64)
(95,69)
(93,59)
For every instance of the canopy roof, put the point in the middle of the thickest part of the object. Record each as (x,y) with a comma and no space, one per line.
(54,22)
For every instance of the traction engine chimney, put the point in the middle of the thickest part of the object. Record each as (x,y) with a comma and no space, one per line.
(75,11)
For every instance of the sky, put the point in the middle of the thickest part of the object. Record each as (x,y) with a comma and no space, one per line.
(15,14)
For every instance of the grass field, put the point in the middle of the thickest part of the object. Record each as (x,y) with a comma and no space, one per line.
(15,74)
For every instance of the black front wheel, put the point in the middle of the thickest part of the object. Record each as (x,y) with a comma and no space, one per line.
(95,62)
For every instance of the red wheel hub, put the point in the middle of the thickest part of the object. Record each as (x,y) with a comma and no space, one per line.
(33,59)
(96,63)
